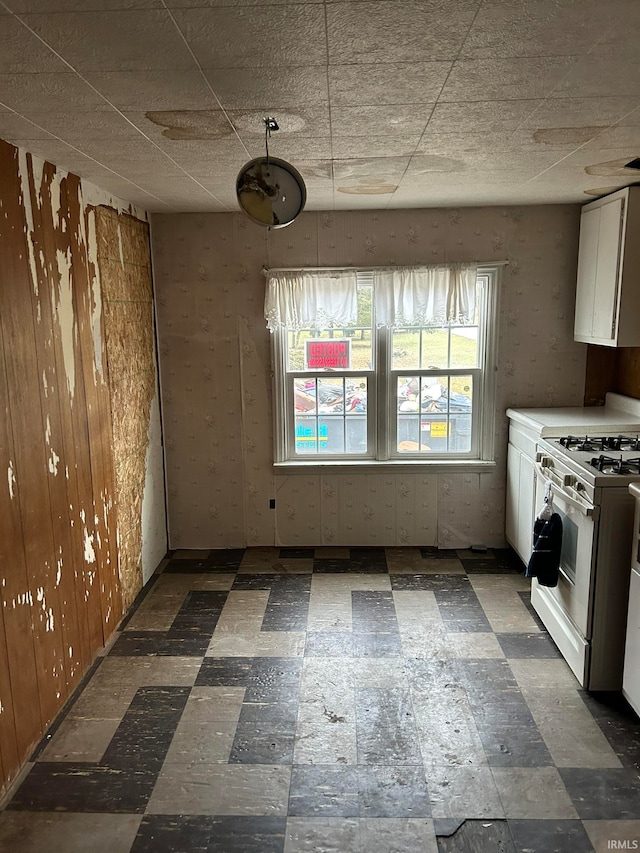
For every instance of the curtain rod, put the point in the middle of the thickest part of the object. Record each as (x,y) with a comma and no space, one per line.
(479,264)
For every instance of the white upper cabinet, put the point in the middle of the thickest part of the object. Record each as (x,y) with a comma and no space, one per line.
(608,290)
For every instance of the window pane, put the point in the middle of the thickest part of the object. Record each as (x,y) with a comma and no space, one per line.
(331,415)
(464,346)
(414,348)
(434,414)
(336,349)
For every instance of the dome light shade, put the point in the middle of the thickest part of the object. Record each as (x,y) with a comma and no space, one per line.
(270,191)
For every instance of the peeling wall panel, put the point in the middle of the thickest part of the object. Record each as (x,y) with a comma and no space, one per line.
(15,734)
(56,402)
(60,567)
(21,344)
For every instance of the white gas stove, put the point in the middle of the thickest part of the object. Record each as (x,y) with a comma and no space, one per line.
(586,613)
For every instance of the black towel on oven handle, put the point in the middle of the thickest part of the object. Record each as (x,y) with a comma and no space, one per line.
(544,563)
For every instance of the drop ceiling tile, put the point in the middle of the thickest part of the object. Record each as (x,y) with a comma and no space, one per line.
(430,167)
(255,36)
(75,128)
(14,126)
(580,112)
(22,52)
(406,121)
(552,138)
(269,89)
(190,4)
(128,40)
(481,116)
(388,169)
(315,170)
(506,79)
(19,6)
(601,76)
(599,166)
(463,142)
(183,125)
(391,32)
(64,156)
(154,90)
(303,122)
(543,28)
(134,154)
(206,157)
(292,149)
(386,83)
(358,147)
(55,91)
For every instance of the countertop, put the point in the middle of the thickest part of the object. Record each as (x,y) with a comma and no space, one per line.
(619,414)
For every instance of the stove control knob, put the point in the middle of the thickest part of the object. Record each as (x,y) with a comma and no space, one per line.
(580,487)
(569,480)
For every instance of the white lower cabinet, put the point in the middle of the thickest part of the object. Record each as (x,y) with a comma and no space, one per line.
(520,509)
(631,677)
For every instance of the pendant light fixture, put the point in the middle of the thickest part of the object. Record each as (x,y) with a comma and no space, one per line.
(269,190)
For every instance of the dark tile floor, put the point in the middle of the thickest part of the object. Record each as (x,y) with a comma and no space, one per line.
(336,700)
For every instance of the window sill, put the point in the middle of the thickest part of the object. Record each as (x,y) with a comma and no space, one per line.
(370,466)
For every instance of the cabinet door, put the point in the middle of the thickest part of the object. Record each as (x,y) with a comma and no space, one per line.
(526,507)
(631,677)
(587,268)
(513,488)
(605,305)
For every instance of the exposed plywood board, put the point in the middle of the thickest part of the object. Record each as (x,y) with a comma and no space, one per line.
(123,258)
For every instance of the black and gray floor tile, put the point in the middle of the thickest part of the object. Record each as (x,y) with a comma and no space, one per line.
(399,700)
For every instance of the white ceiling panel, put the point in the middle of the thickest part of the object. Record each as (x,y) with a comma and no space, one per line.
(387,83)
(126,40)
(250,36)
(380,103)
(391,32)
(269,89)
(154,90)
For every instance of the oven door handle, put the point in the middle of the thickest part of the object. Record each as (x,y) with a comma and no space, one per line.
(560,489)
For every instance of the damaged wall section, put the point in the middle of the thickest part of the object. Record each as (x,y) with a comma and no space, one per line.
(64,585)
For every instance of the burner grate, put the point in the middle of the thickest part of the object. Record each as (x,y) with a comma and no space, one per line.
(609,465)
(587,442)
(623,442)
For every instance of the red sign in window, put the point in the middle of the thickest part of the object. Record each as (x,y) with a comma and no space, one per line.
(332,354)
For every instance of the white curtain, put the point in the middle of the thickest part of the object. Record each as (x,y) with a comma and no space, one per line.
(405,296)
(417,296)
(311,300)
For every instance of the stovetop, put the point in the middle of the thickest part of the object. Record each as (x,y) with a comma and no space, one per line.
(596,460)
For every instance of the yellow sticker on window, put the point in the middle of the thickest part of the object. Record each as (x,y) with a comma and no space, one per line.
(438,429)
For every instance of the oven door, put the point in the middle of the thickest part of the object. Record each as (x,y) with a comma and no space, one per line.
(566,610)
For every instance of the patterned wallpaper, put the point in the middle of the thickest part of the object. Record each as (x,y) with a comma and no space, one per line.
(215,371)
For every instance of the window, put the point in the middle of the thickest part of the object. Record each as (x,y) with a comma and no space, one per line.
(389,365)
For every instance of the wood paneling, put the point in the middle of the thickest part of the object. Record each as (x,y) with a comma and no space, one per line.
(60,588)
(611,369)
(627,378)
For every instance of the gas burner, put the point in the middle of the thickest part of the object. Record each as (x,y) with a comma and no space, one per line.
(623,442)
(572,442)
(609,465)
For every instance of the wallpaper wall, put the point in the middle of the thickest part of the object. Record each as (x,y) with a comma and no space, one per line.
(215,372)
